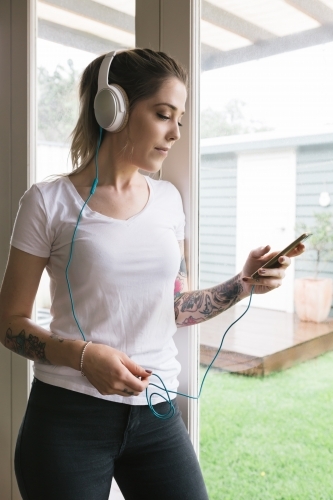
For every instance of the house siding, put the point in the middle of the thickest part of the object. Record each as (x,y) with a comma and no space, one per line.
(314,175)
(218,192)
(218,217)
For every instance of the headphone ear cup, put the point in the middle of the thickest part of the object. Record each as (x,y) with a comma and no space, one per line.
(111,108)
(125,107)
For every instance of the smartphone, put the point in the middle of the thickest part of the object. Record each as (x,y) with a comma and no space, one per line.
(274,261)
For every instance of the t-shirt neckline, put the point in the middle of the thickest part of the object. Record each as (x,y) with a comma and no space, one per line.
(81,201)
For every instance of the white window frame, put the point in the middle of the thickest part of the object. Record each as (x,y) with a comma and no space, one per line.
(17,145)
(167,25)
(173,27)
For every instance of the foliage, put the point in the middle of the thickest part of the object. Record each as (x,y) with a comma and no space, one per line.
(233,120)
(269,438)
(57,102)
(321,241)
(58,109)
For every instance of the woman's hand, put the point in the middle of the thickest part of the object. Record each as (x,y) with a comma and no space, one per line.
(113,372)
(269,278)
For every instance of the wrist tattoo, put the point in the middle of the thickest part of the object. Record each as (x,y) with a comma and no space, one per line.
(31,347)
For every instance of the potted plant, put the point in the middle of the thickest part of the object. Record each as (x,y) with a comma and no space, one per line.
(313,295)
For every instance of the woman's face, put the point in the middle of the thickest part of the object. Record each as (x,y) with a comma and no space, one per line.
(154,125)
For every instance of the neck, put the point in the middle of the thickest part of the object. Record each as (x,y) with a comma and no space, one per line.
(114,163)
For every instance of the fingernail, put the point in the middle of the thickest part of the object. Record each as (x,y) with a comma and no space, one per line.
(149,371)
(245,279)
(281,260)
(262,271)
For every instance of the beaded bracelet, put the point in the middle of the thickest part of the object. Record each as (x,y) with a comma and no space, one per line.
(82,354)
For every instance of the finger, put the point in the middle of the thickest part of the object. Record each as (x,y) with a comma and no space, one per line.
(128,385)
(297,250)
(135,383)
(259,252)
(265,282)
(274,272)
(135,369)
(128,392)
(284,261)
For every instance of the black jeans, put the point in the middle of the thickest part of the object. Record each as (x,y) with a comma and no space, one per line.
(70,446)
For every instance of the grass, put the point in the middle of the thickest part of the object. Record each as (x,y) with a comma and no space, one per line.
(269,438)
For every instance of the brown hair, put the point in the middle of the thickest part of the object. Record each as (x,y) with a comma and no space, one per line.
(140,72)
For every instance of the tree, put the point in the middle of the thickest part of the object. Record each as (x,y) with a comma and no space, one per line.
(321,241)
(57,102)
(230,121)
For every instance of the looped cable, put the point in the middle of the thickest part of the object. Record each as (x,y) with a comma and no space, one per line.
(167,398)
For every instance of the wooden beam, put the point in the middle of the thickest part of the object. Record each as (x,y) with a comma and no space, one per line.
(315,9)
(233,23)
(74,38)
(97,12)
(212,59)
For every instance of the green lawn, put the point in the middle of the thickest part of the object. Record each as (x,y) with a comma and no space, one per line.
(269,438)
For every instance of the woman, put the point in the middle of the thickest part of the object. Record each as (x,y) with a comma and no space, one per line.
(87,418)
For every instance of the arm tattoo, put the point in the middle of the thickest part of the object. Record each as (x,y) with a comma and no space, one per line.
(181,277)
(227,293)
(195,307)
(31,347)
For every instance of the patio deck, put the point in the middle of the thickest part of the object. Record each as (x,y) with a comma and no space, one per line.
(263,341)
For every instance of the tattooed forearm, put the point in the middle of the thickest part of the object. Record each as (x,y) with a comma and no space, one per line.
(30,347)
(227,294)
(195,307)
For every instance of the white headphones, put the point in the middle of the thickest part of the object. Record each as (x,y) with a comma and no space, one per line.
(111,102)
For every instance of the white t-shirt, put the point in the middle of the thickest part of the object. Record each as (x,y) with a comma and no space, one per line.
(122,277)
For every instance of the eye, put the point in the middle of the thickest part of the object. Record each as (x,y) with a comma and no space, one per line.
(163,117)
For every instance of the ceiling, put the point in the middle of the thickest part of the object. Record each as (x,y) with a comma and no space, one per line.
(232,31)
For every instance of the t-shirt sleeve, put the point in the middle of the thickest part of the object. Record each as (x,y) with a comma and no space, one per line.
(180,227)
(31,232)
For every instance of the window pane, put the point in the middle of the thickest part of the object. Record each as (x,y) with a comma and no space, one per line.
(69,38)
(266,176)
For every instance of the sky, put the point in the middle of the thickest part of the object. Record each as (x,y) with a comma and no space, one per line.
(289,91)
(285,91)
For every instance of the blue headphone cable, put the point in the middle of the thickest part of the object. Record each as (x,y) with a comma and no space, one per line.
(92,191)
(166,398)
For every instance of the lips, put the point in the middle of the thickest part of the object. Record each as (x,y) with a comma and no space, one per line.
(163,149)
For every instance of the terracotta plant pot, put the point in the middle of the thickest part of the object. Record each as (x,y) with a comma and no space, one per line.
(313,298)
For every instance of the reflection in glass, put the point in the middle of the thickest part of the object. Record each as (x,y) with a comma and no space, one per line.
(266,172)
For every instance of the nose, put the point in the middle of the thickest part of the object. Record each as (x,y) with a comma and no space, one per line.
(174,132)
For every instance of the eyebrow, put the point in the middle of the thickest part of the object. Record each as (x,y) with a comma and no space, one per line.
(169,105)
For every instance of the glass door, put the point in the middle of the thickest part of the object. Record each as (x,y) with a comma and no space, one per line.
(266,176)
